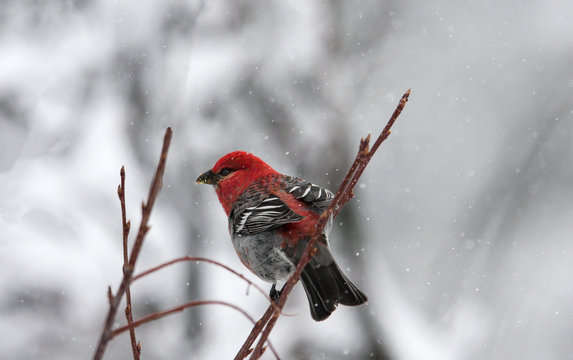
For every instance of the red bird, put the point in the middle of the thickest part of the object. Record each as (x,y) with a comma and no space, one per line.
(271,219)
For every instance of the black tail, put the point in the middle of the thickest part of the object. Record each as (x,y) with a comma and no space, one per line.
(326,287)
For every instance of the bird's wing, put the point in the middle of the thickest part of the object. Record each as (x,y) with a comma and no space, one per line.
(312,194)
(317,197)
(266,215)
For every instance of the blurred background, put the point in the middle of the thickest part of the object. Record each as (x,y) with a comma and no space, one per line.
(461,231)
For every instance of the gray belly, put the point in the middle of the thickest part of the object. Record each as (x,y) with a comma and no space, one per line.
(262,254)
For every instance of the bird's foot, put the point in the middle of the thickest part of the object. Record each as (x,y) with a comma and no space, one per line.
(275,294)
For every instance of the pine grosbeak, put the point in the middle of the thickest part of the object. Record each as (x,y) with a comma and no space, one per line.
(271,219)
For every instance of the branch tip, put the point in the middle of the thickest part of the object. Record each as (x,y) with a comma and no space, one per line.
(404,99)
(109,295)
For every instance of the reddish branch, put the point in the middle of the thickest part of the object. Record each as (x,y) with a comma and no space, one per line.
(343,195)
(161,314)
(135,345)
(259,325)
(202,259)
(114,300)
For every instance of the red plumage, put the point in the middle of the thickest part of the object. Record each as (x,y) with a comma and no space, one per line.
(271,218)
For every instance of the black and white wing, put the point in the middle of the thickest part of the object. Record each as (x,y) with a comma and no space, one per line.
(268,214)
(317,197)
(310,193)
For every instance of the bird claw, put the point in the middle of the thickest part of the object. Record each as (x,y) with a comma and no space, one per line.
(275,294)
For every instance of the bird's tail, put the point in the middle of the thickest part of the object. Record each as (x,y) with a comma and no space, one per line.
(326,286)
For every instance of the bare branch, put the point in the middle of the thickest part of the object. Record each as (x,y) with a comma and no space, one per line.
(259,326)
(106,333)
(343,195)
(180,308)
(202,259)
(135,346)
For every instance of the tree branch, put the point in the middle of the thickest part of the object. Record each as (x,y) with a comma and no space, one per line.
(202,259)
(259,326)
(343,195)
(126,225)
(161,314)
(106,333)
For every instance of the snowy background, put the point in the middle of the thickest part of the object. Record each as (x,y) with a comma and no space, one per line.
(461,232)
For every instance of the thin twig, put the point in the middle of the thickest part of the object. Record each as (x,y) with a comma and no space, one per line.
(347,187)
(106,333)
(368,154)
(180,308)
(202,259)
(259,326)
(126,225)
(343,195)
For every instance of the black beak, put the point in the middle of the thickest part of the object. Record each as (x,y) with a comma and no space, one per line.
(208,177)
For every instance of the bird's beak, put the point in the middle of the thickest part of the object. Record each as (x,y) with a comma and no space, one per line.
(208,177)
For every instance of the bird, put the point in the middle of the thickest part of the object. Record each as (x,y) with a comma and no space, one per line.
(271,218)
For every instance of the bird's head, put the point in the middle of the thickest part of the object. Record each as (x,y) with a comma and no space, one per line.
(232,174)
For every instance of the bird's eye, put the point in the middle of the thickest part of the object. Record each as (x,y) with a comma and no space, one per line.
(225,171)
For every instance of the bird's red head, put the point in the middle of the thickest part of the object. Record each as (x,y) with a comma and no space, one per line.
(232,174)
